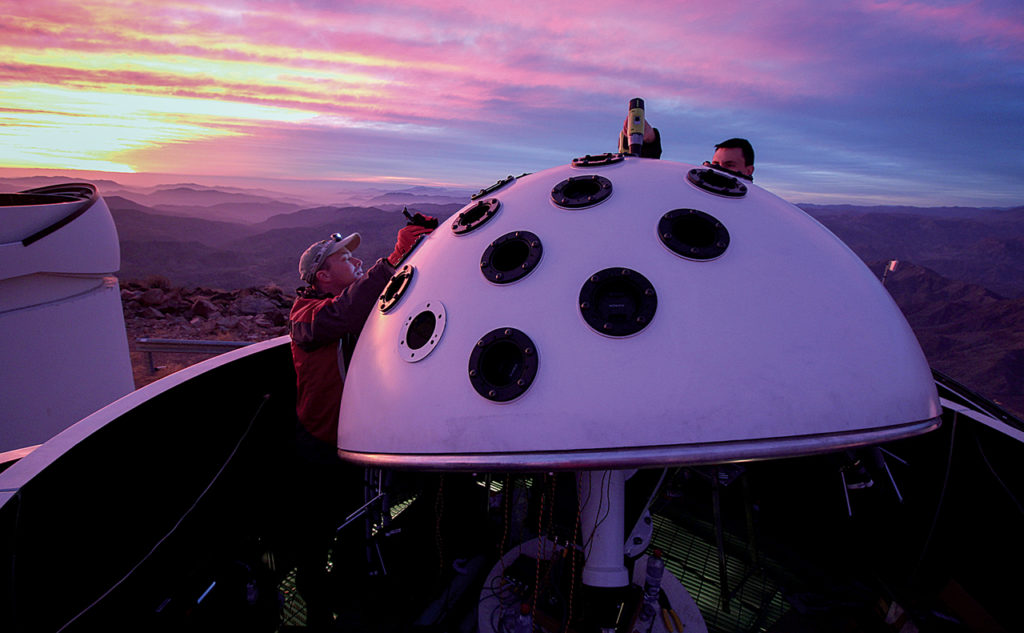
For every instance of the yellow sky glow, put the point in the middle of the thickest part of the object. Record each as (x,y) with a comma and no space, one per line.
(55,127)
(264,76)
(90,112)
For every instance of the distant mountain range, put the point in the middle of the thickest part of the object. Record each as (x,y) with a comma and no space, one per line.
(193,251)
(960,280)
(253,205)
(965,330)
(979,246)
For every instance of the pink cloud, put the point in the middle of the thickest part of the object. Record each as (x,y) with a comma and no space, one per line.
(480,68)
(465,48)
(962,22)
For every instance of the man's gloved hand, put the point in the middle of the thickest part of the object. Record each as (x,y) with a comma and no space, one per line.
(419,219)
(407,238)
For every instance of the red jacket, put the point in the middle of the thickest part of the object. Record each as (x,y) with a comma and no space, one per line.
(319,323)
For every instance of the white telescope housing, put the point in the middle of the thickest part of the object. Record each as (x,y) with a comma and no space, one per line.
(622,312)
(62,334)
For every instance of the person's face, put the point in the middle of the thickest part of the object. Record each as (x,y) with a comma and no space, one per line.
(338,272)
(732,158)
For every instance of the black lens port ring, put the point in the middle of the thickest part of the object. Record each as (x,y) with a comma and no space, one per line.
(511,257)
(618,302)
(693,234)
(503,364)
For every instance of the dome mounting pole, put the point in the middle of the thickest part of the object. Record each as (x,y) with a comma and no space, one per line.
(602,503)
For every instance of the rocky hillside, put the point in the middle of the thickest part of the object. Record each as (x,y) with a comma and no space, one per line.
(967,332)
(983,247)
(155,309)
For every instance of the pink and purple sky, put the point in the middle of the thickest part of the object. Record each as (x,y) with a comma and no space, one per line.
(859,101)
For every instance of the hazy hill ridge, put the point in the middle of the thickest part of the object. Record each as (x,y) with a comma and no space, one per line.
(966,331)
(979,246)
(960,281)
(193,251)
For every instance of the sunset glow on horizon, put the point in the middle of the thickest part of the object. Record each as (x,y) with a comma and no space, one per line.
(928,93)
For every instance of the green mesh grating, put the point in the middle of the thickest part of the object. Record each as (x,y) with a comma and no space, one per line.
(755,602)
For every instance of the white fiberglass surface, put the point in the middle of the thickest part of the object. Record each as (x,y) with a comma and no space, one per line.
(781,334)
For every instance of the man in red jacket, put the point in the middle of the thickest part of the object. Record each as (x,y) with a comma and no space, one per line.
(326,319)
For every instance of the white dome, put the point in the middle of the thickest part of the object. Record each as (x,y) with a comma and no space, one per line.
(62,334)
(624,312)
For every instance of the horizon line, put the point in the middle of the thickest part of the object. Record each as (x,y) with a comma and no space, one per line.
(387,183)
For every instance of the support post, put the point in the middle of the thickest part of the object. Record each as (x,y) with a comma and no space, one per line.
(602,508)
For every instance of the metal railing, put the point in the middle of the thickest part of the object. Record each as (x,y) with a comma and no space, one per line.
(184,346)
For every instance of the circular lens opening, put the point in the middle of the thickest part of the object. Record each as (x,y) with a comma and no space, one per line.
(396,288)
(580,188)
(510,255)
(693,234)
(616,301)
(420,330)
(473,215)
(391,291)
(716,179)
(716,182)
(501,363)
(694,230)
(581,191)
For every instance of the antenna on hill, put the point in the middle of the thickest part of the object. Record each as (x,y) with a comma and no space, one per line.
(890,267)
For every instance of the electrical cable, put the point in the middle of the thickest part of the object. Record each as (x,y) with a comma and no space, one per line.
(546,580)
(507,492)
(540,551)
(657,489)
(181,520)
(598,519)
(999,479)
(942,496)
(551,514)
(438,510)
(572,570)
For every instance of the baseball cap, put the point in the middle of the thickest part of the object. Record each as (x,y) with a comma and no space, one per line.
(318,252)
